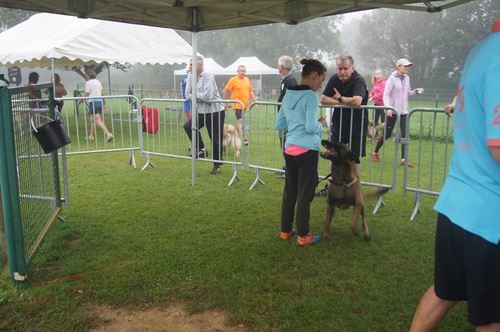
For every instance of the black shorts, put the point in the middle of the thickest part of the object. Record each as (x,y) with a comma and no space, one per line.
(467,267)
(238,113)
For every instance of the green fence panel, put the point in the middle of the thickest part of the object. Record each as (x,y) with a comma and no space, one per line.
(30,184)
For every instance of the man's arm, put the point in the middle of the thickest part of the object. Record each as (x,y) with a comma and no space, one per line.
(338,99)
(252,95)
(207,90)
(450,108)
(326,100)
(354,101)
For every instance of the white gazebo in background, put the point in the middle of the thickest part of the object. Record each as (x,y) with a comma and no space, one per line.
(209,65)
(254,67)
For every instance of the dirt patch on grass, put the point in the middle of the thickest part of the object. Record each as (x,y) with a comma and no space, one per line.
(173,317)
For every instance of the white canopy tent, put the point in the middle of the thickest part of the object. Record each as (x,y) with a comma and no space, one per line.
(73,41)
(252,64)
(254,67)
(209,64)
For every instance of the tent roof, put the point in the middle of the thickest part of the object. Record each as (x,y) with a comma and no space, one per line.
(253,66)
(73,41)
(209,65)
(200,15)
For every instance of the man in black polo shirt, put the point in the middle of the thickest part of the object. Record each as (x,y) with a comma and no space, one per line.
(348,88)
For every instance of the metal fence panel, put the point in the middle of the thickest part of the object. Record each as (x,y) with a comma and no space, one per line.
(431,134)
(167,128)
(30,181)
(120,116)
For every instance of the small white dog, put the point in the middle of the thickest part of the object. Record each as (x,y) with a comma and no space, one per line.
(230,138)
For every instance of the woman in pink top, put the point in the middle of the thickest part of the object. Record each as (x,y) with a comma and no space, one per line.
(396,94)
(377,96)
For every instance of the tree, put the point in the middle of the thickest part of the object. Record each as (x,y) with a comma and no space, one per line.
(437,43)
(317,38)
(11,17)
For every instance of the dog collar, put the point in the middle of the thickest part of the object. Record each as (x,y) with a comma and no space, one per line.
(344,184)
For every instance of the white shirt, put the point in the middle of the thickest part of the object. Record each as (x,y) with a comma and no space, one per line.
(93,87)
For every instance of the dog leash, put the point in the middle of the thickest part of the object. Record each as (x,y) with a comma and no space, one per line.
(323,179)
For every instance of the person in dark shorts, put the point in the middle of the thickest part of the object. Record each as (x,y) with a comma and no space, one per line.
(349,124)
(467,262)
(348,88)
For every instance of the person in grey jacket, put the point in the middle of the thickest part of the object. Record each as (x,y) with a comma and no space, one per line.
(210,114)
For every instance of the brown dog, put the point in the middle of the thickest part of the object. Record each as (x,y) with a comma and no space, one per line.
(230,138)
(373,132)
(345,188)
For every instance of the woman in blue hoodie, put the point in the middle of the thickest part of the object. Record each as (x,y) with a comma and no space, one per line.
(298,116)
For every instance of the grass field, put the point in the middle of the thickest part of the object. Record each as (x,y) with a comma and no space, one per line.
(143,239)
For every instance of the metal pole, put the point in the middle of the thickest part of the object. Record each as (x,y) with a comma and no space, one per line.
(109,81)
(53,71)
(194,110)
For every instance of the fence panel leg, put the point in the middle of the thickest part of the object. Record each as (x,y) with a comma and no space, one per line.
(416,209)
(257,179)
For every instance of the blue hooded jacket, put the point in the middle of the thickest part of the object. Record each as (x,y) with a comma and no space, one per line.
(298,116)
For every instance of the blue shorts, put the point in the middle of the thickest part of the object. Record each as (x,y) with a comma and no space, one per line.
(467,268)
(95,107)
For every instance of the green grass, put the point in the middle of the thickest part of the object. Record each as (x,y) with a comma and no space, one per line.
(143,239)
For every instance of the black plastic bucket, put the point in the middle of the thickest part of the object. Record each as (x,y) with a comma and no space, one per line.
(51,135)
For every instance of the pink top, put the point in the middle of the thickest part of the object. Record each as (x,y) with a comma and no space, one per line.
(294,150)
(377,92)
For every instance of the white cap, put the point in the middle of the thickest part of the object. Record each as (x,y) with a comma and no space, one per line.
(403,62)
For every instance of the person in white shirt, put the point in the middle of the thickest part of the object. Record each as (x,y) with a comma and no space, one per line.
(93,89)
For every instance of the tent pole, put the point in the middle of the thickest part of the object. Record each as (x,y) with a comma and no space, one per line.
(194,109)
(109,81)
(53,73)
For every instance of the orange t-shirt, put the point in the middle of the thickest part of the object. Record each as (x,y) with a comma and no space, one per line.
(240,89)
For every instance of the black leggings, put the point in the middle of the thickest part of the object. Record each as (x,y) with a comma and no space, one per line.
(389,127)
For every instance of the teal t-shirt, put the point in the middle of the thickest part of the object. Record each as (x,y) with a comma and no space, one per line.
(470,197)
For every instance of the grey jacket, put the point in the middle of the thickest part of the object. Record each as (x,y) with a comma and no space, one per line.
(207,91)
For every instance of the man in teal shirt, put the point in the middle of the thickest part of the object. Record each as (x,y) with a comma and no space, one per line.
(467,263)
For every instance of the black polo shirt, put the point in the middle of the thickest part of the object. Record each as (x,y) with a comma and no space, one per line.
(355,86)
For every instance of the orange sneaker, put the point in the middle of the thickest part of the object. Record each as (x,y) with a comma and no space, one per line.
(307,240)
(375,157)
(286,236)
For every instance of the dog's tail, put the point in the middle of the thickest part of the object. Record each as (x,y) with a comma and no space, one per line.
(379,192)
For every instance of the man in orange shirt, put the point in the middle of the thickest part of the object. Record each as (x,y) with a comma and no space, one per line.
(241,89)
